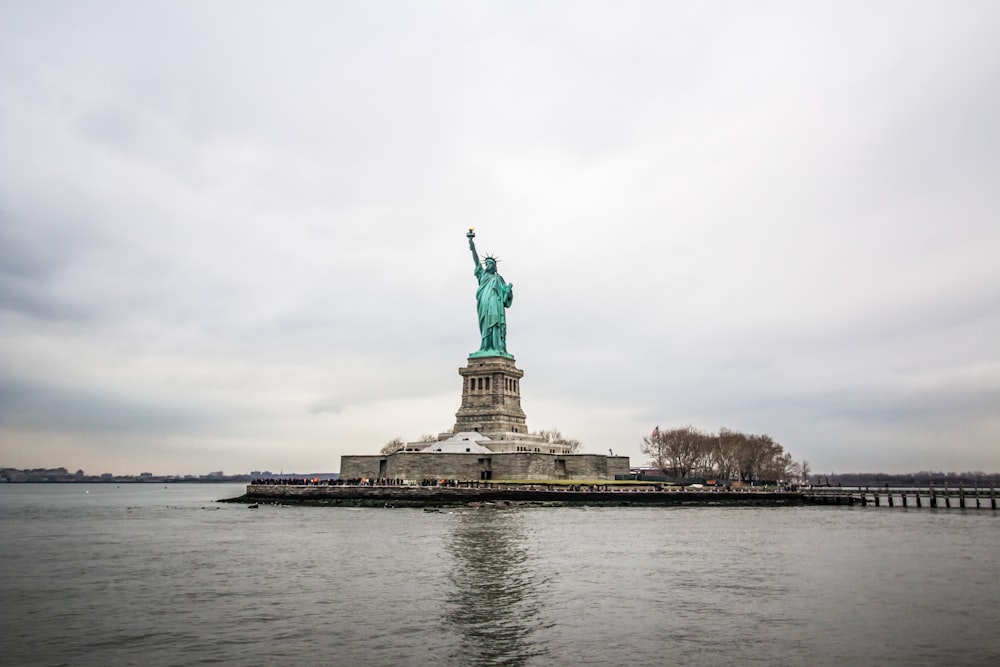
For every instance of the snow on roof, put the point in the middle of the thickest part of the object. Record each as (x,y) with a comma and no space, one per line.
(460,443)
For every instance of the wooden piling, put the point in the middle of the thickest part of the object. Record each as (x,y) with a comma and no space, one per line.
(961,497)
(993,499)
(933,498)
(903,497)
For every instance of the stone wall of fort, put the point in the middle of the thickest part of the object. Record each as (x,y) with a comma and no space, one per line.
(472,467)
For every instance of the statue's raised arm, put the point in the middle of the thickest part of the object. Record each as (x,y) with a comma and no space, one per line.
(492,298)
(472,246)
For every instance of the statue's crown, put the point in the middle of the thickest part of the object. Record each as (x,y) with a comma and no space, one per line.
(488,257)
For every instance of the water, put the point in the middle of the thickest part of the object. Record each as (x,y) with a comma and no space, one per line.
(147,574)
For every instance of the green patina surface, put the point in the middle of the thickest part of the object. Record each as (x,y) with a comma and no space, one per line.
(493,297)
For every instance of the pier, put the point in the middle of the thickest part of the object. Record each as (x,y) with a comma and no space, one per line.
(927,497)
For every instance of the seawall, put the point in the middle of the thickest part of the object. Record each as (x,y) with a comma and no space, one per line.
(434,496)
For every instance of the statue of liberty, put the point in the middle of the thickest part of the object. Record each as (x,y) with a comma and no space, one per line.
(492,297)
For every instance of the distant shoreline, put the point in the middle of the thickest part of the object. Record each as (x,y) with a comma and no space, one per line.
(242,480)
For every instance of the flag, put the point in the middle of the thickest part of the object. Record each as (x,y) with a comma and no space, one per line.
(656,431)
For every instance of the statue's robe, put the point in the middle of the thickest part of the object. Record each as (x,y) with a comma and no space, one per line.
(492,297)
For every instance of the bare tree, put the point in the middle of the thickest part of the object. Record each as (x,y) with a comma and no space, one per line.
(655,448)
(679,452)
(782,467)
(756,453)
(725,453)
(730,454)
(555,437)
(392,446)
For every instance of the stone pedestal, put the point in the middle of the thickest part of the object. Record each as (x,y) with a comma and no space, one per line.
(491,397)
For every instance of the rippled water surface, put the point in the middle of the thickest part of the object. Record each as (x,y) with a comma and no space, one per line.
(147,574)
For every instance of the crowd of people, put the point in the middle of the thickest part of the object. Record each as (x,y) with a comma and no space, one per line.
(357,481)
(589,488)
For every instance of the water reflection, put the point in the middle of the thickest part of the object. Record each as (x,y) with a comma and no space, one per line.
(497,593)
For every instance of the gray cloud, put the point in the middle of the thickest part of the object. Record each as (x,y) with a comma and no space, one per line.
(31,406)
(234,233)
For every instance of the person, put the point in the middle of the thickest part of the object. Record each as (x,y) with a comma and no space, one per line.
(493,296)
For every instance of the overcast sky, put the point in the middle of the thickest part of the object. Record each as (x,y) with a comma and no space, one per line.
(232,234)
